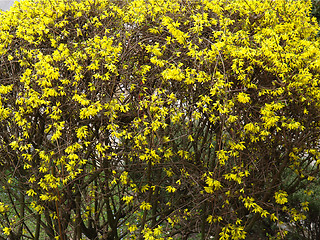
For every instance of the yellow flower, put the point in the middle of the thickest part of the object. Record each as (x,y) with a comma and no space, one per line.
(171,189)
(7,231)
(281,197)
(145,206)
(243,97)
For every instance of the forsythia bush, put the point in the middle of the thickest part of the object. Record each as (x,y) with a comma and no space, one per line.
(156,119)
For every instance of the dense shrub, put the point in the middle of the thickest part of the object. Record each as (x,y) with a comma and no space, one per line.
(156,119)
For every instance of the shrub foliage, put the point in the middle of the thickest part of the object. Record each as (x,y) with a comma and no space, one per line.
(156,119)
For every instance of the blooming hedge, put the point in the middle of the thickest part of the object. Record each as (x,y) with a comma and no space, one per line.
(156,119)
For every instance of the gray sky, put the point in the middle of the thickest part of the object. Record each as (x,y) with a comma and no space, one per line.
(6,4)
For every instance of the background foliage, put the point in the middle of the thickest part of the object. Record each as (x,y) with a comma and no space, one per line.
(157,119)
